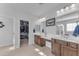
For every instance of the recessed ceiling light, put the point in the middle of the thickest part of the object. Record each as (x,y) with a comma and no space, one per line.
(67,8)
(62,10)
(73,5)
(58,12)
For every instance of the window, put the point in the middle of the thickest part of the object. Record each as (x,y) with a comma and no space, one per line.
(71,26)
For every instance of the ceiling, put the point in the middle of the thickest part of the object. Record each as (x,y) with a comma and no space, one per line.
(37,10)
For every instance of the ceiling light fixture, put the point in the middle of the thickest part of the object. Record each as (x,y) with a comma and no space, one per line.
(67,8)
(72,6)
(58,12)
(62,10)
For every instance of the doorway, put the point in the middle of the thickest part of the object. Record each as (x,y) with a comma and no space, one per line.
(24,33)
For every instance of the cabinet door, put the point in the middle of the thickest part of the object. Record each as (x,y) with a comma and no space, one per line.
(42,42)
(56,49)
(78,49)
(37,38)
(39,41)
(52,45)
(68,51)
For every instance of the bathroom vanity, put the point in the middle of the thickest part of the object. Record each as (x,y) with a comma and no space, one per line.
(59,45)
(65,46)
(39,40)
(42,40)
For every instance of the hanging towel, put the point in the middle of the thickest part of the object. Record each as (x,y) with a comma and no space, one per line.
(76,31)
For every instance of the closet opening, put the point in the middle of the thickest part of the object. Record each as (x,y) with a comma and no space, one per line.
(24,33)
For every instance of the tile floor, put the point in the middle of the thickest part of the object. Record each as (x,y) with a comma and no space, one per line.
(25,50)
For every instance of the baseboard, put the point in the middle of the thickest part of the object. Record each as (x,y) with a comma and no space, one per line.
(6,45)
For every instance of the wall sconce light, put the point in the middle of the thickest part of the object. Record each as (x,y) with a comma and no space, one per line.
(1,24)
(34,31)
(42,30)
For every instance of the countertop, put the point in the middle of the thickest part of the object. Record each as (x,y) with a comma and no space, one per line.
(59,37)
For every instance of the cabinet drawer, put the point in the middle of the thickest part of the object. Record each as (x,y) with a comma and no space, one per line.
(61,42)
(73,45)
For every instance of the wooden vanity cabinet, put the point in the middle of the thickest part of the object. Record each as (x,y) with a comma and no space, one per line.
(68,51)
(37,37)
(64,48)
(56,48)
(39,41)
